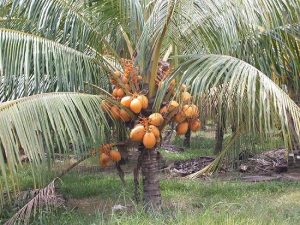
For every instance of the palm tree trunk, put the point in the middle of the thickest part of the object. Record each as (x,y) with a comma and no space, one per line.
(187,139)
(150,173)
(219,138)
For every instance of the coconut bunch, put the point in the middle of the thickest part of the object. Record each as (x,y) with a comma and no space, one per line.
(163,72)
(147,131)
(108,154)
(185,114)
(126,88)
(188,114)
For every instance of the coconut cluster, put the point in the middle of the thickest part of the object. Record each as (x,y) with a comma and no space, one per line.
(185,114)
(108,154)
(147,131)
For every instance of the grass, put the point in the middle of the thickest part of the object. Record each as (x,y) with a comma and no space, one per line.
(90,198)
(185,202)
(201,145)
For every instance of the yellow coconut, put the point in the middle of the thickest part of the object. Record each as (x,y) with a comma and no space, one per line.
(137,133)
(115,155)
(180,117)
(185,96)
(124,115)
(195,125)
(182,128)
(154,130)
(190,110)
(172,105)
(136,105)
(144,100)
(125,101)
(156,119)
(149,140)
(115,112)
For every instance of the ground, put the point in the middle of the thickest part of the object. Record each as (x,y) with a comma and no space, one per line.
(92,195)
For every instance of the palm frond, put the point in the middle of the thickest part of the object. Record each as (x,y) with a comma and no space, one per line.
(42,124)
(26,61)
(45,197)
(256,102)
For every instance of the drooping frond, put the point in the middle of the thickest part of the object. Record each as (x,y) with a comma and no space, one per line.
(45,197)
(81,24)
(256,102)
(43,124)
(56,16)
(259,33)
(28,61)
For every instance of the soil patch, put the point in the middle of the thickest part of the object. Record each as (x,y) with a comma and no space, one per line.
(185,167)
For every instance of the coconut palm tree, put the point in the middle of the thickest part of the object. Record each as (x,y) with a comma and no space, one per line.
(59,57)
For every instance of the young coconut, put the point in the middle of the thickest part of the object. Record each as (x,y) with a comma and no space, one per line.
(149,140)
(144,100)
(180,117)
(163,110)
(190,110)
(136,105)
(125,101)
(120,93)
(185,96)
(156,119)
(137,133)
(195,125)
(154,130)
(172,105)
(124,116)
(115,92)
(104,159)
(182,128)
(115,112)
(115,155)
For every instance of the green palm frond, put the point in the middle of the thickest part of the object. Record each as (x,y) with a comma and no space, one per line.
(67,122)
(59,18)
(255,100)
(27,60)
(80,25)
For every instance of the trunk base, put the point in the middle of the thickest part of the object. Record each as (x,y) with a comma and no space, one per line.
(150,173)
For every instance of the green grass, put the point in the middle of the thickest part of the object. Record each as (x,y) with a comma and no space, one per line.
(90,197)
(201,145)
(185,202)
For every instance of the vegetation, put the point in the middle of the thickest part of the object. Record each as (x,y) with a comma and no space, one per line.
(79,74)
(91,196)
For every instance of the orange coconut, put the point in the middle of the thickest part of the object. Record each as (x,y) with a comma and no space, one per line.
(182,128)
(154,130)
(195,125)
(117,73)
(156,119)
(180,117)
(120,93)
(104,159)
(185,96)
(190,110)
(149,140)
(144,100)
(137,133)
(136,105)
(115,155)
(163,110)
(172,105)
(125,101)
(124,115)
(115,92)
(115,112)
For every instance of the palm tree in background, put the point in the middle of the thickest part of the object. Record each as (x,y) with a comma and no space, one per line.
(57,58)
